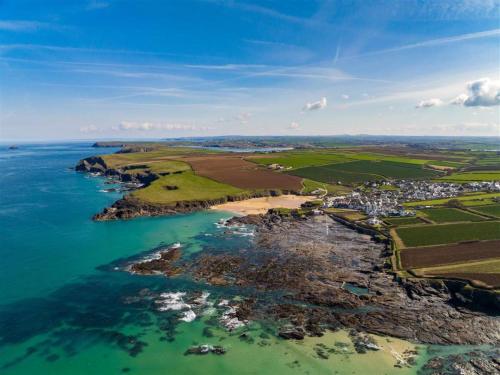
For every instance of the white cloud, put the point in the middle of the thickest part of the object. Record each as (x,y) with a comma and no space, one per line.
(344,96)
(244,117)
(294,125)
(480,93)
(89,129)
(150,126)
(322,103)
(434,102)
(459,100)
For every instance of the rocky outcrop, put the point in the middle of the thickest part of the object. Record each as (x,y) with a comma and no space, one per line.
(97,165)
(92,164)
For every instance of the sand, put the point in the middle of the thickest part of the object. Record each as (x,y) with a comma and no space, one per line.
(261,205)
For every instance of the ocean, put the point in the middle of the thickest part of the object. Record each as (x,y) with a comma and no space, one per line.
(67,306)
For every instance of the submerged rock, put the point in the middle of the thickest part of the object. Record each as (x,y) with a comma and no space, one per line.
(205,349)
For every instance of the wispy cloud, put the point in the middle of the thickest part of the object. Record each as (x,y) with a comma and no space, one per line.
(29,46)
(152,126)
(97,4)
(434,42)
(227,66)
(23,26)
(270,12)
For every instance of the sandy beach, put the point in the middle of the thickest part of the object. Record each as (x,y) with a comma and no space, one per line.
(261,205)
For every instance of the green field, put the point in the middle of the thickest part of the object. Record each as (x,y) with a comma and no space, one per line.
(493,209)
(300,159)
(450,215)
(403,220)
(467,200)
(190,187)
(363,170)
(427,235)
(473,176)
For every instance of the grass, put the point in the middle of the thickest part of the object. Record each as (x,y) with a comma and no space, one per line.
(427,235)
(161,166)
(310,186)
(493,210)
(450,215)
(467,200)
(364,170)
(190,187)
(473,176)
(388,187)
(300,159)
(403,220)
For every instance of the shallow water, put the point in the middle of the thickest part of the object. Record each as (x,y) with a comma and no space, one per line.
(67,308)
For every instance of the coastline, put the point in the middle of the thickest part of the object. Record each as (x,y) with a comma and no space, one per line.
(256,206)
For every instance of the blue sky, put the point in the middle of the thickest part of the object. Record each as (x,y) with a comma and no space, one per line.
(145,69)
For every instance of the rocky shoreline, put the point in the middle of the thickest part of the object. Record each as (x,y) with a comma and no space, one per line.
(336,278)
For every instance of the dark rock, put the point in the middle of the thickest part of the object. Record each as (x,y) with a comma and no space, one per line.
(292,333)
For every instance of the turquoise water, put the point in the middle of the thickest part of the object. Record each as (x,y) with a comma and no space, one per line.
(66,309)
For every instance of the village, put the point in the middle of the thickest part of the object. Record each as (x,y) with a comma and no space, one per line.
(386,198)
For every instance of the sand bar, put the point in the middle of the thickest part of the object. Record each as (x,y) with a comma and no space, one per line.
(261,205)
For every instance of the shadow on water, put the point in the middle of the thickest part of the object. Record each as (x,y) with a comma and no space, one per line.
(95,310)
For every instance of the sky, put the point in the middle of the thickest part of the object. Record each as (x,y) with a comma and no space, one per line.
(117,69)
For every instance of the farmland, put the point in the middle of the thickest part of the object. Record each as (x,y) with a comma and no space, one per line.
(467,200)
(300,159)
(481,273)
(473,176)
(363,170)
(449,215)
(235,171)
(422,257)
(493,210)
(448,233)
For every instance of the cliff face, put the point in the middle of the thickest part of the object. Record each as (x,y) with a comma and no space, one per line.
(129,207)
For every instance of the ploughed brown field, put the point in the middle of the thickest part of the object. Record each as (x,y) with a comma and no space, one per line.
(233,170)
(420,257)
(491,279)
